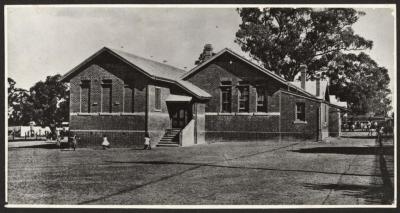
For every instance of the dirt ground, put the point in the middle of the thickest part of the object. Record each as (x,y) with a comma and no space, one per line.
(345,171)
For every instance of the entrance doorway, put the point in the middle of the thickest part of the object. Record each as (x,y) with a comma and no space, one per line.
(180,114)
(179,118)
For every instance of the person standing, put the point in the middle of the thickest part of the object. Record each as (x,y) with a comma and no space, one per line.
(105,144)
(75,141)
(369,128)
(147,141)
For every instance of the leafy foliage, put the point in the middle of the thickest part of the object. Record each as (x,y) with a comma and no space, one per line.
(46,102)
(19,108)
(47,97)
(282,39)
(358,80)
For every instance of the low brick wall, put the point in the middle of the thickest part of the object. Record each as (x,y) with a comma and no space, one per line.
(116,138)
(121,130)
(241,127)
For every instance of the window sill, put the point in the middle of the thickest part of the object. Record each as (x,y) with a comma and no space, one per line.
(87,113)
(261,113)
(157,110)
(299,122)
(244,113)
(106,113)
(225,113)
(109,113)
(128,113)
(267,113)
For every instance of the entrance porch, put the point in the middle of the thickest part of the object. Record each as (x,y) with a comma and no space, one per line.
(182,112)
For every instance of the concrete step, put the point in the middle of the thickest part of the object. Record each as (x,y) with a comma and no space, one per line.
(167,145)
(168,141)
(171,133)
(172,130)
(170,136)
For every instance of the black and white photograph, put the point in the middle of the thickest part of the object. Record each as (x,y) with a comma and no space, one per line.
(200,106)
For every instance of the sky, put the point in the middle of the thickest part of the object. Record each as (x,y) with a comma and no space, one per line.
(44,41)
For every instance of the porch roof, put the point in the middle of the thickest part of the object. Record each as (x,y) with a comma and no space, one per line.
(178,98)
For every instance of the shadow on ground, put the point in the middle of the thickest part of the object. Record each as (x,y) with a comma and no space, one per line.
(43,146)
(365,136)
(371,193)
(236,167)
(349,150)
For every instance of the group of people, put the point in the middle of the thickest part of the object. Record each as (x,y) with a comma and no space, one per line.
(73,141)
(369,126)
(106,144)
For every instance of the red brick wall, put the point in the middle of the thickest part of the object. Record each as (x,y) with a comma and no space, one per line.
(299,130)
(209,78)
(111,69)
(116,139)
(127,83)
(121,130)
(243,127)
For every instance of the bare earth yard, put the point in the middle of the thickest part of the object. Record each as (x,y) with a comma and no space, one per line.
(344,171)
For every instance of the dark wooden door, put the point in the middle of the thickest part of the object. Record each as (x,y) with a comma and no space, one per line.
(179,118)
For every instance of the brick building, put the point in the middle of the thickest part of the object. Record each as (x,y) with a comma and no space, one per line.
(226,97)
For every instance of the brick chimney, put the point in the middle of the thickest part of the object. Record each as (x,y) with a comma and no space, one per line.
(207,52)
(303,71)
(318,84)
(318,76)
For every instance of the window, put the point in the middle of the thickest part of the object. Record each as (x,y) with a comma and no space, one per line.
(106,95)
(261,100)
(85,96)
(157,96)
(300,111)
(226,96)
(243,98)
(129,94)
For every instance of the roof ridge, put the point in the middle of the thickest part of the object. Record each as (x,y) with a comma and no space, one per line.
(143,58)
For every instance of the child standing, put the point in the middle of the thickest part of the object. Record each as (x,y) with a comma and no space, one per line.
(147,141)
(105,143)
(74,141)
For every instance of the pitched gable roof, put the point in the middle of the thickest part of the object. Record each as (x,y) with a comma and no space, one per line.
(153,69)
(227,50)
(262,69)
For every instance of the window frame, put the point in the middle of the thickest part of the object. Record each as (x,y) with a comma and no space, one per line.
(304,111)
(247,102)
(130,86)
(106,83)
(264,106)
(225,87)
(85,83)
(157,100)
